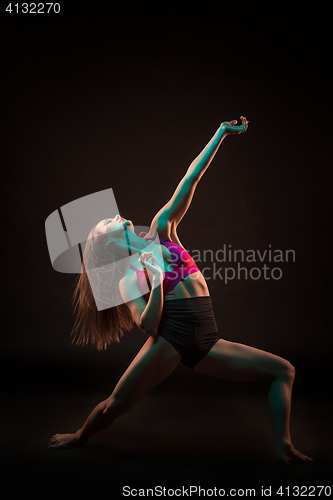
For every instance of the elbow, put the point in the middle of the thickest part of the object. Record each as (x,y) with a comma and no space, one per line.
(192,177)
(149,331)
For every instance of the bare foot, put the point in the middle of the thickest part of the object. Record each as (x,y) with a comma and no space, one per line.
(292,456)
(64,441)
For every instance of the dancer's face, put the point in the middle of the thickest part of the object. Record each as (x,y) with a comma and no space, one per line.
(115,227)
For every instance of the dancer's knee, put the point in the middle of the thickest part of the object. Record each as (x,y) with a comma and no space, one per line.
(287,370)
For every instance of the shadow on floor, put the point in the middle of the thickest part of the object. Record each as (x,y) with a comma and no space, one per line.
(166,440)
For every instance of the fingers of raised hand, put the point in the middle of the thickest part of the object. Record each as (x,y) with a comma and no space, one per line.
(145,256)
(244,125)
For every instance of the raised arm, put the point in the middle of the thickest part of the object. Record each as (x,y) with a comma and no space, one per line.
(167,219)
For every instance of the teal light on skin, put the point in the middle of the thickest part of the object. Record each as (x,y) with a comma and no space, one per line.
(117,228)
(110,225)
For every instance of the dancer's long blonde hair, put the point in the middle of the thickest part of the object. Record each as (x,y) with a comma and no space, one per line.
(98,328)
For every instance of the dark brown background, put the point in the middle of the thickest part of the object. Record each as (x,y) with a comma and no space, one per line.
(98,97)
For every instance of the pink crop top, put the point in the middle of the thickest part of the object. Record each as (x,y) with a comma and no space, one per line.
(183,265)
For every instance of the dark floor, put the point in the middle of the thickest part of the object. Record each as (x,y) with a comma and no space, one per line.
(170,440)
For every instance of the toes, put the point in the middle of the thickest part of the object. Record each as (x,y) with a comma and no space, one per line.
(54,447)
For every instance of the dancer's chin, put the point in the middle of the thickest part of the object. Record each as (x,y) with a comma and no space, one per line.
(128,224)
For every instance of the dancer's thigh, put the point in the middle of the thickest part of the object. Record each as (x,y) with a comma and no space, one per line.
(154,362)
(239,362)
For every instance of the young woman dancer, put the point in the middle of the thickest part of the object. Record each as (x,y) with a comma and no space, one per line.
(176,315)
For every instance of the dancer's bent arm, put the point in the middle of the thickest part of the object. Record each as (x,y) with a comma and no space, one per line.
(173,212)
(147,316)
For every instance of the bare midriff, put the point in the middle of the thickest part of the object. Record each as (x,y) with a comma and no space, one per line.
(193,285)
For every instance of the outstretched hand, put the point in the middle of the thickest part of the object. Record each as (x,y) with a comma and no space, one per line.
(232,128)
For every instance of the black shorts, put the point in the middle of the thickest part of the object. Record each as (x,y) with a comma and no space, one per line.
(189,326)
